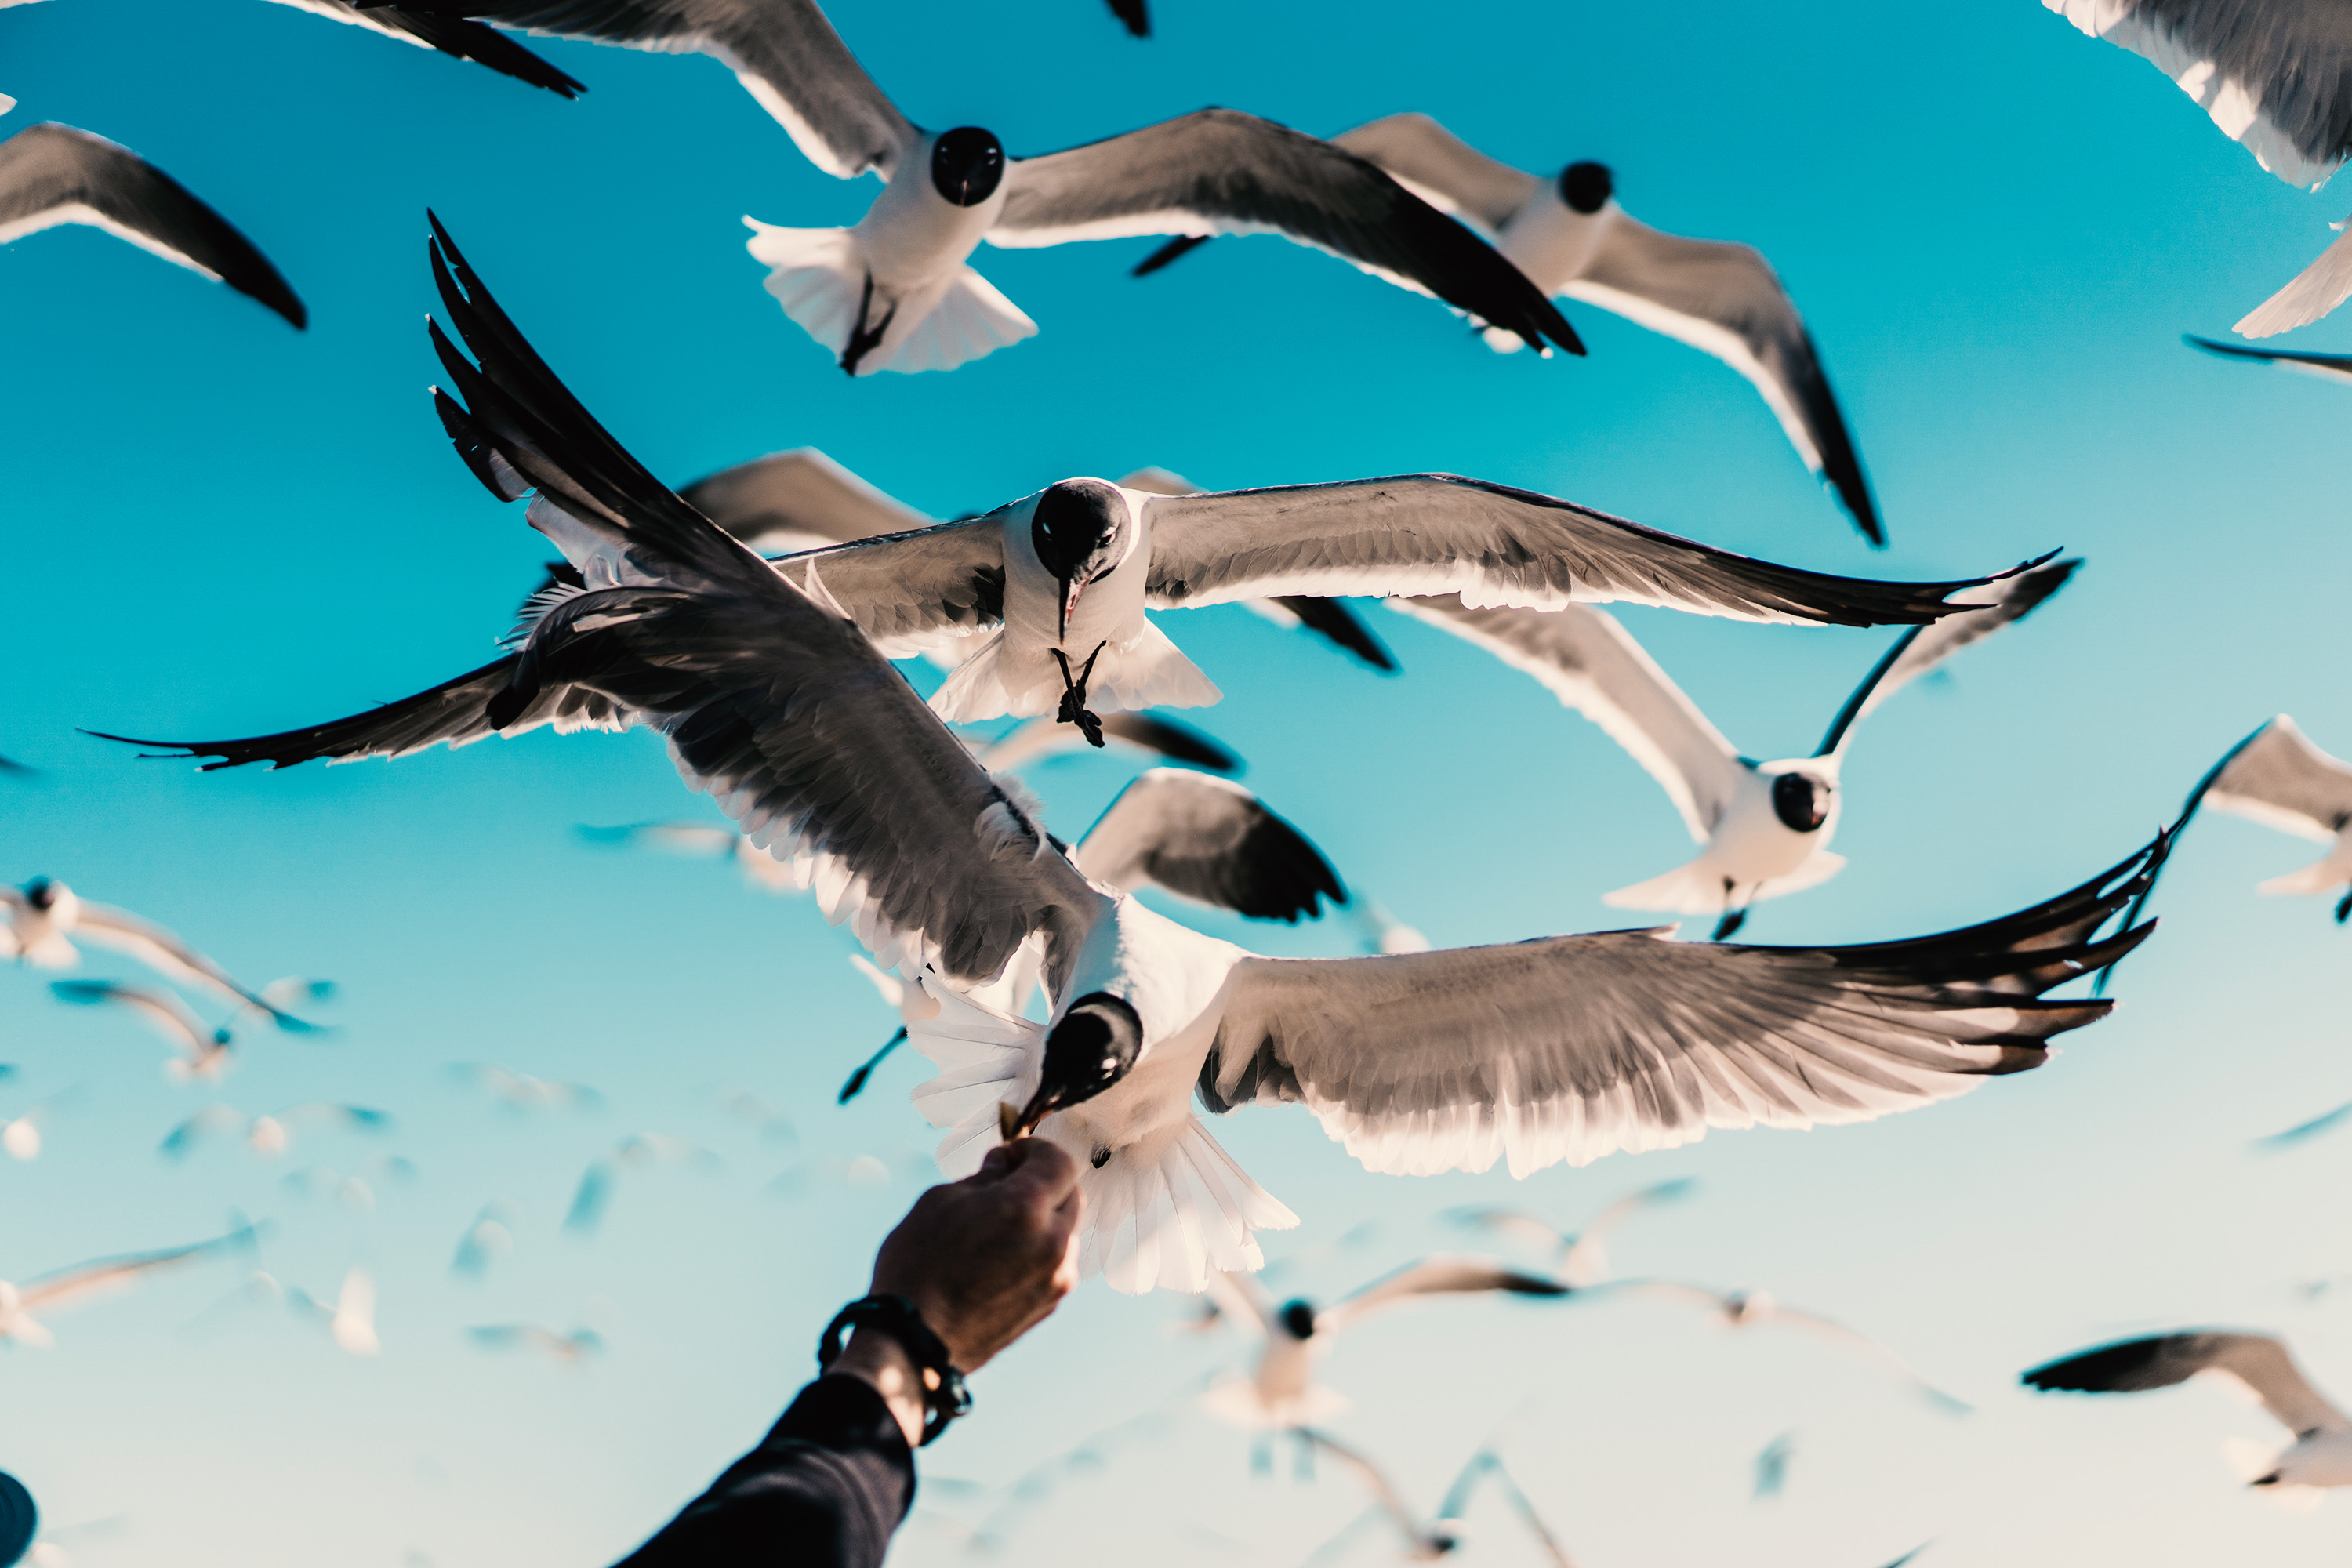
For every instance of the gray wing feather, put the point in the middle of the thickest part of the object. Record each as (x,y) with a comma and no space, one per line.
(2282,781)
(800,494)
(1208,839)
(53,174)
(784,52)
(2257,1360)
(911,590)
(1454,175)
(1440,1275)
(1420,534)
(1572,1047)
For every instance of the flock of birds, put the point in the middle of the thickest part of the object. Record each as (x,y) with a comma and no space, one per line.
(752,619)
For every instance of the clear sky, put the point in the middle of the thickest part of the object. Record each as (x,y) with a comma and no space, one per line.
(1998,229)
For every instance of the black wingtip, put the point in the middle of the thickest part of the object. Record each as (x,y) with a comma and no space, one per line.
(1174,250)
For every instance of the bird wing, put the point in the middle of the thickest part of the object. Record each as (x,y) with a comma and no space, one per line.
(1241,1298)
(2257,1361)
(1133,14)
(52,174)
(1417,534)
(1524,1227)
(1633,1203)
(1440,1275)
(1726,301)
(801,493)
(1593,664)
(1870,1349)
(452,35)
(2282,781)
(454,714)
(1571,1047)
(907,591)
(785,53)
(2327,367)
(1384,1491)
(166,1013)
(2275,75)
(2010,600)
(1441,168)
(1217,171)
(163,952)
(1208,839)
(212,1119)
(2308,295)
(107,1275)
(1179,742)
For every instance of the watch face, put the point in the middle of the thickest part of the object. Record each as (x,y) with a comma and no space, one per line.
(18,1520)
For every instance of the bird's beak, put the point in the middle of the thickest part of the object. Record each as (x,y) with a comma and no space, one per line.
(1071,589)
(1012,1124)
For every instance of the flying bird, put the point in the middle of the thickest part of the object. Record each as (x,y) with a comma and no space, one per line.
(2276,77)
(894,291)
(2275,776)
(52,175)
(1747,1308)
(45,915)
(574,1349)
(1281,1392)
(2321,1454)
(1579,1257)
(351,1318)
(204,1051)
(268,1135)
(1765,829)
(640,1152)
(488,1239)
(86,1281)
(1570,236)
(522,1092)
(452,35)
(785,712)
(1134,15)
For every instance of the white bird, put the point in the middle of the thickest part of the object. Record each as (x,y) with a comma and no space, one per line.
(2321,1455)
(574,1349)
(1281,1391)
(520,1091)
(786,713)
(52,175)
(86,1281)
(2275,776)
(1765,829)
(266,1136)
(894,292)
(2276,77)
(488,1240)
(351,1318)
(1579,1257)
(204,1052)
(1748,1308)
(639,1152)
(45,915)
(1568,234)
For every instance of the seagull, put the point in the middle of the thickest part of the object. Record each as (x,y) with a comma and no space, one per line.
(2321,1455)
(1745,1309)
(2274,75)
(573,1349)
(351,1318)
(490,1238)
(452,35)
(1766,827)
(52,175)
(1579,1257)
(894,292)
(520,1091)
(1135,15)
(205,1051)
(45,914)
(105,1276)
(1570,236)
(266,1136)
(1281,1392)
(777,705)
(2277,777)
(640,1152)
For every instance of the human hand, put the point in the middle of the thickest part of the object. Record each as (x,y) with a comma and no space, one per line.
(986,1259)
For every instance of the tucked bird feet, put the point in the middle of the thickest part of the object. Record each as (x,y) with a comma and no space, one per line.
(856,1080)
(1733,918)
(1073,709)
(863,341)
(2344,910)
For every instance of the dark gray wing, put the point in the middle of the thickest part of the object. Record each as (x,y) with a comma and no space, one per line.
(1423,534)
(2332,367)
(1218,172)
(454,714)
(1440,1276)
(1179,742)
(1725,300)
(452,35)
(2259,1362)
(1336,624)
(1572,1047)
(909,591)
(1135,15)
(791,501)
(2005,601)
(2282,781)
(2275,75)
(785,53)
(1209,840)
(52,174)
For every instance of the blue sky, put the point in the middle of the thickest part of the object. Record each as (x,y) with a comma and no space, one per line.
(1998,229)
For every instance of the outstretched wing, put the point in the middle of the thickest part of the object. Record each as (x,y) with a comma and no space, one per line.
(1593,664)
(53,174)
(1442,1276)
(1725,300)
(111,1274)
(452,35)
(2282,781)
(1209,840)
(2259,1362)
(801,499)
(2326,367)
(1217,171)
(1572,1047)
(1421,534)
(1441,168)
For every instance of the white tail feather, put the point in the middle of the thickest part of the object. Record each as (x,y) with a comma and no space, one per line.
(815,275)
(820,280)
(971,318)
(1147,671)
(1696,886)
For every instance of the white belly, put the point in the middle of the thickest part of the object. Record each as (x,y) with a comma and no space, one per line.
(1550,241)
(1752,844)
(913,237)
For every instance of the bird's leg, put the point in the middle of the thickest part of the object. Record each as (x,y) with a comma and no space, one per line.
(1733,915)
(1302,1458)
(856,1080)
(1074,695)
(1262,1456)
(2344,910)
(862,341)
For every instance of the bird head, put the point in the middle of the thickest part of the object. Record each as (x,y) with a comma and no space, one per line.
(1801,801)
(1298,1319)
(1079,530)
(967,165)
(1095,1044)
(1586,187)
(42,892)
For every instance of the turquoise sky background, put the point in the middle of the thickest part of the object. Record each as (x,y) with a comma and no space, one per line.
(1998,229)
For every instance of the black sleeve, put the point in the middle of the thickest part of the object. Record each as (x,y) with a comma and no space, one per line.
(825,1489)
